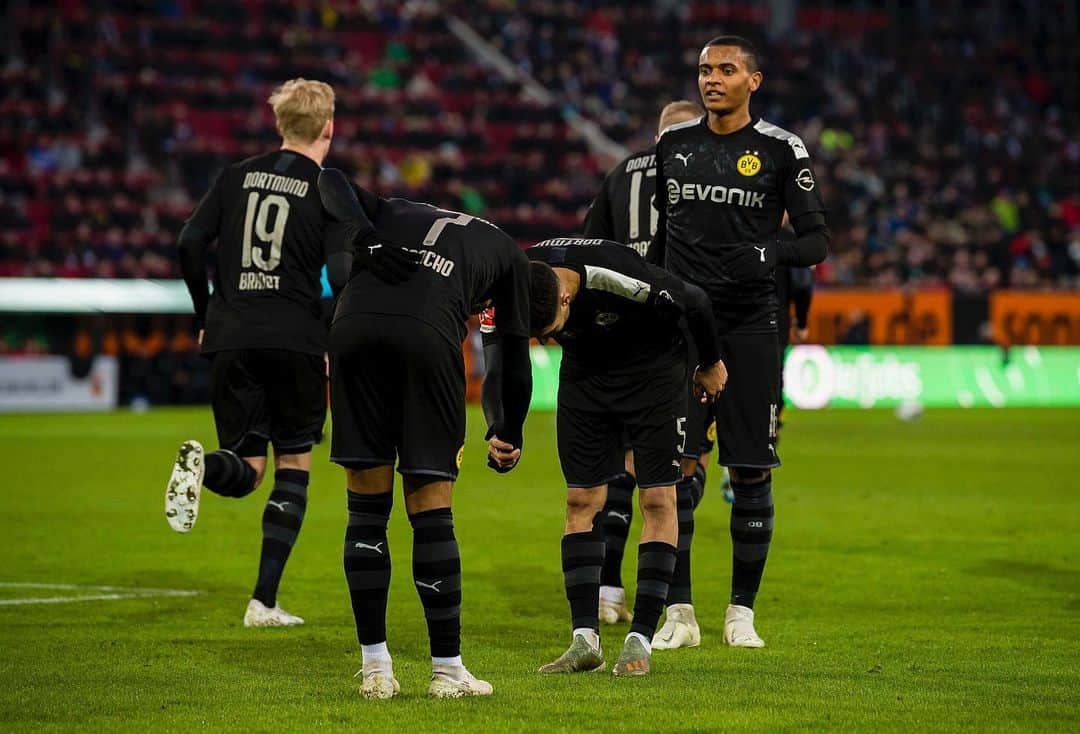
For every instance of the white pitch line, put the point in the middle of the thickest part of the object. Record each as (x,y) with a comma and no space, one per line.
(117,592)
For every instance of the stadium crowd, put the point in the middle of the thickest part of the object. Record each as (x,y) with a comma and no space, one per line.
(947,158)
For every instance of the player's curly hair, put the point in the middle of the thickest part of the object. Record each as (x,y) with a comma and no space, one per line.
(543,297)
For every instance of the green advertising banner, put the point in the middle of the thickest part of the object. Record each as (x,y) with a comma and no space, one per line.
(880,377)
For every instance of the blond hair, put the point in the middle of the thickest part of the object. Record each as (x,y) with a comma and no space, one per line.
(302,108)
(678,111)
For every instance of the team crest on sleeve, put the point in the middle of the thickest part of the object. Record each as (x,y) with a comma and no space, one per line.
(749,164)
(487,320)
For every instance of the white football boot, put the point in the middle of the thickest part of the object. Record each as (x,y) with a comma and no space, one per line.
(378,681)
(680,629)
(260,615)
(185,486)
(613,605)
(457,683)
(739,627)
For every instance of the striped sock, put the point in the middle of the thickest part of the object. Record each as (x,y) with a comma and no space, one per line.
(228,475)
(751,533)
(656,563)
(367,563)
(582,557)
(615,524)
(281,521)
(679,593)
(437,575)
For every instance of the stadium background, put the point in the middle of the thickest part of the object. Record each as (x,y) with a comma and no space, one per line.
(945,140)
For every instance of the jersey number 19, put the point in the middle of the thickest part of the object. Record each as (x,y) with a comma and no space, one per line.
(257,221)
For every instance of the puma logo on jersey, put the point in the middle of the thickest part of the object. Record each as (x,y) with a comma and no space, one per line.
(684,157)
(434,586)
(717,194)
(364,546)
(761,251)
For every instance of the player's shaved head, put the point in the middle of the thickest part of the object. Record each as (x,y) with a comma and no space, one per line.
(749,51)
(681,110)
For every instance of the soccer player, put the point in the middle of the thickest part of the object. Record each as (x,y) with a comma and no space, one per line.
(624,211)
(726,181)
(397,383)
(263,332)
(624,368)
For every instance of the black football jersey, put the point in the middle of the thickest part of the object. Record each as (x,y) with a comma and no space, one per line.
(721,191)
(625,210)
(466,261)
(267,217)
(624,317)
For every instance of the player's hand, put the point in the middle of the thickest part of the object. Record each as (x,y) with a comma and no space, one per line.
(751,261)
(201,332)
(388,261)
(710,381)
(502,456)
(800,335)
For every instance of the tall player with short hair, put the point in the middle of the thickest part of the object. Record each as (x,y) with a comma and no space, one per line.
(624,211)
(263,332)
(727,180)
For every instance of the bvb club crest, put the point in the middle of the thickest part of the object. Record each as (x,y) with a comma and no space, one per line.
(749,164)
(460,455)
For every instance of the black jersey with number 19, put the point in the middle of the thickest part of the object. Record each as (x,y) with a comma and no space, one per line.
(723,191)
(267,216)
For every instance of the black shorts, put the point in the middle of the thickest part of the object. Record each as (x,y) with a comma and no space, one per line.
(397,391)
(746,412)
(262,396)
(600,417)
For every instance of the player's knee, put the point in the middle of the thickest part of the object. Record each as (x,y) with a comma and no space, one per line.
(658,503)
(299,462)
(747,475)
(582,505)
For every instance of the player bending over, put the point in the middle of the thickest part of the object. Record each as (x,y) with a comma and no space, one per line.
(397,379)
(624,367)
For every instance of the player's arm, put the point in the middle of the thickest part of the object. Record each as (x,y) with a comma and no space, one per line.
(811,243)
(351,239)
(802,290)
(599,222)
(201,228)
(491,391)
(513,368)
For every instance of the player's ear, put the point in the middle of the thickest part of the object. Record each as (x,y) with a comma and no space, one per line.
(328,130)
(755,81)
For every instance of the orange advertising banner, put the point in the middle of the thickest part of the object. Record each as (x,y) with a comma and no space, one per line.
(1025,317)
(863,316)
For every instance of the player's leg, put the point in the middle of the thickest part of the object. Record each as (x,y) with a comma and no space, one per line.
(367,571)
(582,551)
(365,396)
(430,453)
(297,385)
(680,627)
(235,470)
(746,439)
(591,454)
(615,523)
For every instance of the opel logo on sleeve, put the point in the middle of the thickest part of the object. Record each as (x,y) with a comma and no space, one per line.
(672,191)
(805,179)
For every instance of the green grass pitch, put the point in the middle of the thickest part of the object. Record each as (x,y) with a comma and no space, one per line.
(923,576)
